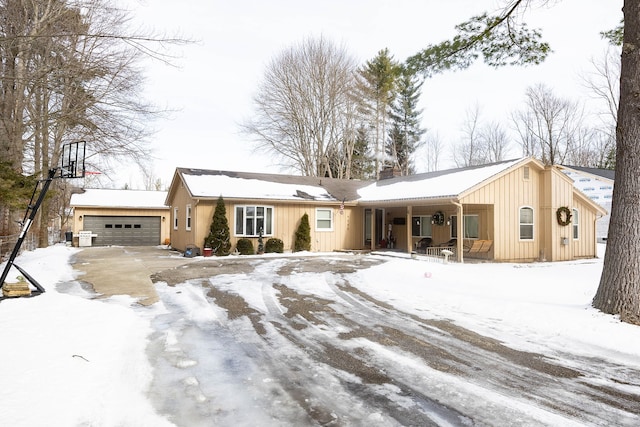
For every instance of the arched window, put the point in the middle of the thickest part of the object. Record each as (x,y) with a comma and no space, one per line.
(526,223)
(576,224)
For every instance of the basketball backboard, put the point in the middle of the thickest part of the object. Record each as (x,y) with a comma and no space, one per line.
(72,163)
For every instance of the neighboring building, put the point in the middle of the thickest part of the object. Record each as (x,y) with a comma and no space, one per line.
(597,184)
(513,205)
(121,217)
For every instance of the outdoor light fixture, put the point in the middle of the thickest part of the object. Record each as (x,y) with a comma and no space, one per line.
(80,218)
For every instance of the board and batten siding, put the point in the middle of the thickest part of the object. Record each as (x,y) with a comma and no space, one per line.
(181,237)
(585,245)
(346,233)
(507,194)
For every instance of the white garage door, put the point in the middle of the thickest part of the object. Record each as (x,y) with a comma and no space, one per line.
(123,230)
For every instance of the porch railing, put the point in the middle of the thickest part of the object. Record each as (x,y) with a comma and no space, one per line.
(435,253)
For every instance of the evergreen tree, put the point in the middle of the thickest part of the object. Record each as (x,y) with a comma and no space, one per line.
(405,133)
(362,166)
(219,237)
(376,90)
(303,235)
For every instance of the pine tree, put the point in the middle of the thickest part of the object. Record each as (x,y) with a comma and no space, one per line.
(405,133)
(303,235)
(219,237)
(362,166)
(376,86)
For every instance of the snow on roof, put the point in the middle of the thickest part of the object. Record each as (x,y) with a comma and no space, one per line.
(432,185)
(205,185)
(120,198)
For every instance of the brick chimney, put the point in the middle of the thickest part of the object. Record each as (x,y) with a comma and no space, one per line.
(389,172)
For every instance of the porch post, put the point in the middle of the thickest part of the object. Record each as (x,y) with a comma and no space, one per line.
(409,224)
(460,232)
(373,229)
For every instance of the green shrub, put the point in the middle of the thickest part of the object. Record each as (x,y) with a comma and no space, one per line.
(303,235)
(245,247)
(274,245)
(218,238)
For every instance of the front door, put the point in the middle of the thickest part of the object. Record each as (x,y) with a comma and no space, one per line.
(377,229)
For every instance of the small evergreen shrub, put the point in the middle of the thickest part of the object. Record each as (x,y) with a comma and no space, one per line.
(218,238)
(303,235)
(274,245)
(245,247)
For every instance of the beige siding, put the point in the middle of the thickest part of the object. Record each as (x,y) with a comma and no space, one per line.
(585,245)
(346,233)
(181,237)
(501,224)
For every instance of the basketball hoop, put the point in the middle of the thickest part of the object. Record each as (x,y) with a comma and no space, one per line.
(71,166)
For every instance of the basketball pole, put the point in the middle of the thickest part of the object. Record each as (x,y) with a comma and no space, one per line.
(73,154)
(32,210)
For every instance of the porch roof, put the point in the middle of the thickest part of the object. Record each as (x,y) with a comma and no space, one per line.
(445,184)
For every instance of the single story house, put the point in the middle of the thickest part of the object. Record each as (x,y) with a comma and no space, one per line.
(121,217)
(517,210)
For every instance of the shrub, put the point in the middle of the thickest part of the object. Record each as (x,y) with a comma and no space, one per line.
(219,237)
(274,245)
(245,247)
(303,235)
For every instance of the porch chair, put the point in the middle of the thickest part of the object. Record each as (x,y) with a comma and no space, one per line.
(423,244)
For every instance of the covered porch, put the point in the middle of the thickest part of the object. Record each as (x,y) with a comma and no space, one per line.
(429,227)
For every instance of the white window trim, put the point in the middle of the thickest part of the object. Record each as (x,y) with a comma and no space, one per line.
(175,218)
(244,208)
(575,224)
(187,218)
(323,219)
(532,224)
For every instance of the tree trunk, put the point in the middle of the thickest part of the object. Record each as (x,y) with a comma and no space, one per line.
(619,290)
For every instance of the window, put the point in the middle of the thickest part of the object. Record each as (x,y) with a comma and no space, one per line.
(324,219)
(175,218)
(526,223)
(421,226)
(470,228)
(575,223)
(250,219)
(188,218)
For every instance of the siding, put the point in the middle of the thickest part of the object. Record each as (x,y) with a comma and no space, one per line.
(507,194)
(346,234)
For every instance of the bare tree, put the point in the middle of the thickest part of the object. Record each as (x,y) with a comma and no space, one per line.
(495,141)
(604,84)
(547,124)
(433,150)
(301,104)
(470,151)
(69,72)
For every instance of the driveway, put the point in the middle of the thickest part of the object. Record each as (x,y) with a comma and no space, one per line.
(279,356)
(118,270)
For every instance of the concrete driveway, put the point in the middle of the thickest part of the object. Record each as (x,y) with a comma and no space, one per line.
(118,270)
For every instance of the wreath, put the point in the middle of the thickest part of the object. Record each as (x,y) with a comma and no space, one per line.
(563,215)
(438,218)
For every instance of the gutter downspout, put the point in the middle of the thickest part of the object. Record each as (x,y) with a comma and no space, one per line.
(595,234)
(459,231)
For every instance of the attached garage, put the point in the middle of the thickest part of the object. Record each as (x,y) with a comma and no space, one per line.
(121,217)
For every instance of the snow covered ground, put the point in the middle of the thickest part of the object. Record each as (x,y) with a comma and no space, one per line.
(69,360)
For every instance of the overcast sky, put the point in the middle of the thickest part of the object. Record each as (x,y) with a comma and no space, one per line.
(211,90)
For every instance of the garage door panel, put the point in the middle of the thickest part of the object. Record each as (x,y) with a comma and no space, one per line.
(124,230)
